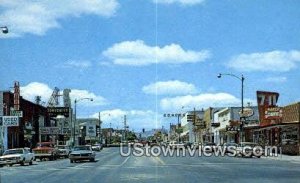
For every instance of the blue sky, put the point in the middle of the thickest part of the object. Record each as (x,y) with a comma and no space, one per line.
(146,58)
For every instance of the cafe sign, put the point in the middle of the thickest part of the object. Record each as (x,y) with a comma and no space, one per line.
(273,113)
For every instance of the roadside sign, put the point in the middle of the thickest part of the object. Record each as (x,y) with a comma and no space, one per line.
(16,113)
(9,121)
(49,130)
(247,112)
(55,111)
(179,130)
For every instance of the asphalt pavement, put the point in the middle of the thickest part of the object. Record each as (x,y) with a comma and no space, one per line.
(112,167)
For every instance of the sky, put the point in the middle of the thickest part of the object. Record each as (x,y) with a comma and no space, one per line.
(145,58)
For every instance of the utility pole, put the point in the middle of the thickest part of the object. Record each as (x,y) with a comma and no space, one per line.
(194,124)
(125,126)
(100,130)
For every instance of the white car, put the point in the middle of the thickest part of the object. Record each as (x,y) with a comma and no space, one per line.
(246,149)
(80,153)
(176,145)
(63,151)
(17,156)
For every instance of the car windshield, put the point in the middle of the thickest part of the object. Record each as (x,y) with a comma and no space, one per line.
(79,148)
(13,151)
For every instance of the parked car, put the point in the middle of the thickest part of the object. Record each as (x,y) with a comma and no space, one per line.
(196,145)
(63,151)
(17,156)
(80,153)
(176,145)
(46,150)
(188,144)
(210,144)
(246,149)
(97,147)
(230,144)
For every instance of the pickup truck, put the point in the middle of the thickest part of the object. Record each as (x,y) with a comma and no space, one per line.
(46,150)
(17,156)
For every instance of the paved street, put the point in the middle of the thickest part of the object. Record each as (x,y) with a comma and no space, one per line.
(111,167)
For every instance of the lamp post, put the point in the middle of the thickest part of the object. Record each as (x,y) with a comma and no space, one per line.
(4,29)
(242,97)
(75,103)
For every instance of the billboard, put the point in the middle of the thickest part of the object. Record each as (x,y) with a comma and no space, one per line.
(269,112)
(54,111)
(1,104)
(9,121)
(91,130)
(49,130)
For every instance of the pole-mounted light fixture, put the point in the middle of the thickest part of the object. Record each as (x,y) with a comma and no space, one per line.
(4,30)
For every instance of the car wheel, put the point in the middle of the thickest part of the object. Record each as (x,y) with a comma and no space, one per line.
(22,163)
(92,159)
(71,161)
(30,162)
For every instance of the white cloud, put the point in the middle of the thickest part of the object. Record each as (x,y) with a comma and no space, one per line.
(36,17)
(280,79)
(83,64)
(79,94)
(170,88)
(40,89)
(278,61)
(137,53)
(136,119)
(34,89)
(183,2)
(201,101)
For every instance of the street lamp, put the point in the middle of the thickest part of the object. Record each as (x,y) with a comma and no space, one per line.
(242,94)
(75,103)
(4,29)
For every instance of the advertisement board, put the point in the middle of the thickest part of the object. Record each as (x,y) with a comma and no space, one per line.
(269,112)
(91,130)
(49,130)
(1,104)
(55,111)
(9,121)
(16,113)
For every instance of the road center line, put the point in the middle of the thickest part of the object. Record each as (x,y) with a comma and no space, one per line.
(125,161)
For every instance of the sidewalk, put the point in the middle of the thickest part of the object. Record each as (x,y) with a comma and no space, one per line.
(283,157)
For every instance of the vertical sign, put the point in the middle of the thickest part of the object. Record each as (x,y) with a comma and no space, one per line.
(269,112)
(16,95)
(1,103)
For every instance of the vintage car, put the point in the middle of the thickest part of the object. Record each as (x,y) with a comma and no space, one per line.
(97,147)
(80,153)
(63,151)
(45,150)
(249,149)
(17,156)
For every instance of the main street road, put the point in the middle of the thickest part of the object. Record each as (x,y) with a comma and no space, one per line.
(111,167)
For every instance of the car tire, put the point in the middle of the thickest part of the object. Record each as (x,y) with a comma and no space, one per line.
(71,161)
(22,163)
(30,162)
(92,159)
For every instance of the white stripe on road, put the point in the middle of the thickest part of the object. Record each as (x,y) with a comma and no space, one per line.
(125,161)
